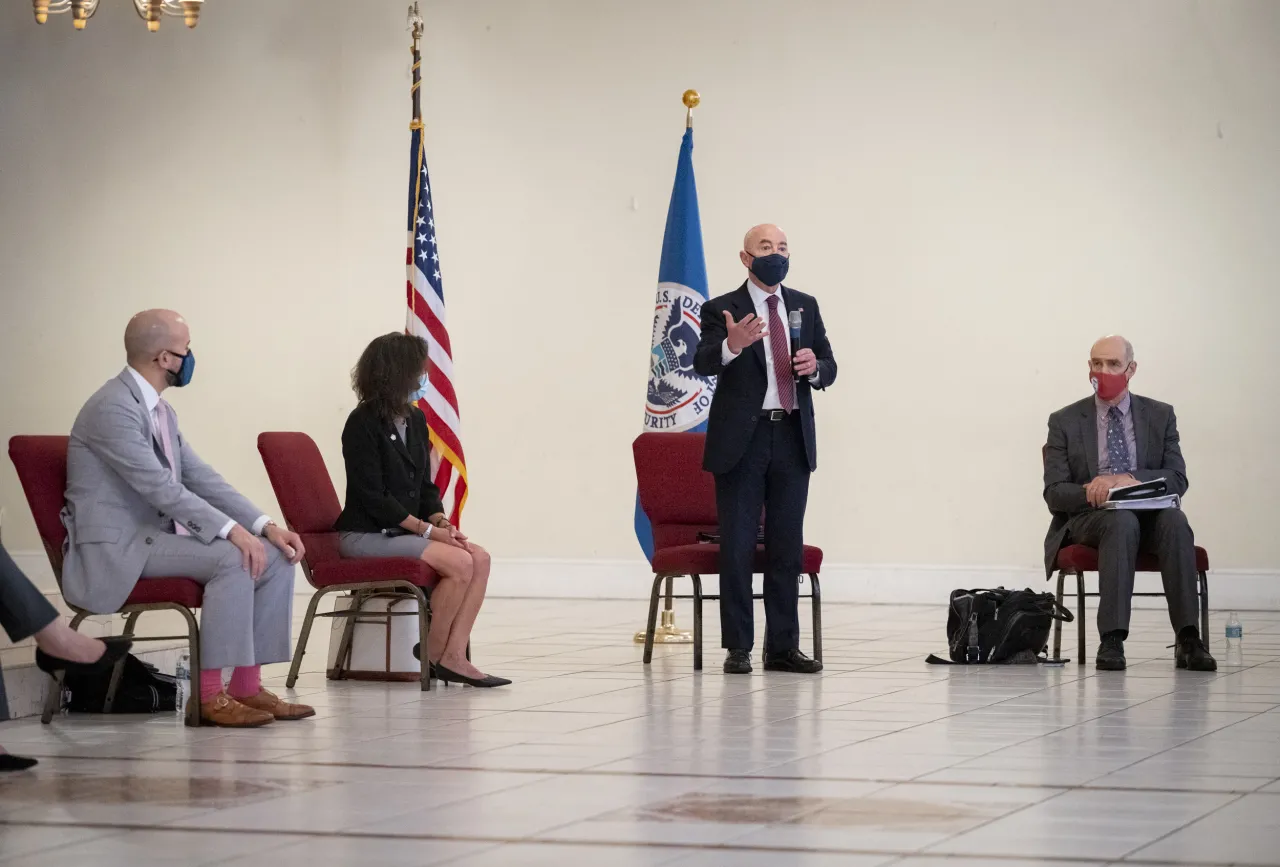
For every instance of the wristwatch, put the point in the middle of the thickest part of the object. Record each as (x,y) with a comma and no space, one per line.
(266,527)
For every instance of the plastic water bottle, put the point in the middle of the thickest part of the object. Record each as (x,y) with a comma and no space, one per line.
(1235,632)
(182,672)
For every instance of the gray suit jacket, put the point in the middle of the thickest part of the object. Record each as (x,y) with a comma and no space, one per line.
(121,493)
(1071,460)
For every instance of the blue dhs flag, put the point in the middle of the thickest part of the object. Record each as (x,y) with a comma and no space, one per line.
(678,397)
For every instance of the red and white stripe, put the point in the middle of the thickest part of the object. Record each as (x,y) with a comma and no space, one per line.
(426,319)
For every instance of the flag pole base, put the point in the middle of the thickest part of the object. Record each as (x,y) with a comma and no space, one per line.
(667,632)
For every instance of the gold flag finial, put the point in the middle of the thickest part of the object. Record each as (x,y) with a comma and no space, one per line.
(691,99)
(415,24)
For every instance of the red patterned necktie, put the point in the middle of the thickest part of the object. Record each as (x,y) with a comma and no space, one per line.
(782,370)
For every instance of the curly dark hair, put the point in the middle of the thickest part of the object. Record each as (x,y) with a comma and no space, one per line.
(388,372)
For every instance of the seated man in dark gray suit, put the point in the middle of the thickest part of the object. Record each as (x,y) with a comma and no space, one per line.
(1111,439)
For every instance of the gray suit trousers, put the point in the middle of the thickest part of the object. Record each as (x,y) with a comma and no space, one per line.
(1119,536)
(242,622)
(23,609)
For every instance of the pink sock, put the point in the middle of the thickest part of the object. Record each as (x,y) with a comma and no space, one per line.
(246,681)
(210,683)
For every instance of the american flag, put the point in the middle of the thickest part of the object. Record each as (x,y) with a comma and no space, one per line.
(426,319)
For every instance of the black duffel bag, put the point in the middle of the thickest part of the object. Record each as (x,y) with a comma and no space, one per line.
(142,689)
(1000,626)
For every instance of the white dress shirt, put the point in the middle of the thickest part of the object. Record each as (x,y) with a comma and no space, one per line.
(151,398)
(760,299)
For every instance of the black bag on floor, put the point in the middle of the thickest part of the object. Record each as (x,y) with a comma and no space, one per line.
(1000,626)
(142,689)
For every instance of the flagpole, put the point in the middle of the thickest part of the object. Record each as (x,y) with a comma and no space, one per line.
(666,632)
(416,25)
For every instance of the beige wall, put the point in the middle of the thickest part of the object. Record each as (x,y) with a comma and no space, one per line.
(974,190)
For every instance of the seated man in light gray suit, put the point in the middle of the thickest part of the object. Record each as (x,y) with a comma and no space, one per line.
(141,504)
(1110,439)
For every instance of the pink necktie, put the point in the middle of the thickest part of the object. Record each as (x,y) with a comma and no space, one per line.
(163,413)
(782,370)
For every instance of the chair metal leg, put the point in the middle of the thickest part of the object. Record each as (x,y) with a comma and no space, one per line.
(653,619)
(424,627)
(53,700)
(1080,618)
(1204,608)
(193,719)
(1057,624)
(697,622)
(117,671)
(348,633)
(816,604)
(300,649)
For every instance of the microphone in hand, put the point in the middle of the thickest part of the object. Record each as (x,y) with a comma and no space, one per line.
(794,320)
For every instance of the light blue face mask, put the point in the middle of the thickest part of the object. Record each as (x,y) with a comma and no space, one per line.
(423,386)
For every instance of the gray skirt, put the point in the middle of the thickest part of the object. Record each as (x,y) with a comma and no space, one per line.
(380,545)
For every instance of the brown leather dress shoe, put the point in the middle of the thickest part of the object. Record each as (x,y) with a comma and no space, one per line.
(223,710)
(268,702)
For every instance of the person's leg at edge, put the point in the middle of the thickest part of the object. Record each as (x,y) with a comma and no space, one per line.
(26,613)
(456,567)
(469,609)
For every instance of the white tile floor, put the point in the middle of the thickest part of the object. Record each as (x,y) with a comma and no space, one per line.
(590,758)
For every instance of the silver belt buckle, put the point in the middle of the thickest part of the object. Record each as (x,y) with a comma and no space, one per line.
(777,414)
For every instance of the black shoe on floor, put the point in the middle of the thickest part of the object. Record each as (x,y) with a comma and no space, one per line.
(9,762)
(1111,653)
(116,648)
(1192,654)
(792,660)
(445,675)
(738,662)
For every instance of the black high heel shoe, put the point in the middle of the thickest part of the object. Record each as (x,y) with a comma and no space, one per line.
(10,762)
(116,650)
(444,675)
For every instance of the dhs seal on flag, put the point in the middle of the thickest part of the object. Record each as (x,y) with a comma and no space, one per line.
(679,397)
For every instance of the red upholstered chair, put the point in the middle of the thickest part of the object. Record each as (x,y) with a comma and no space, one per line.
(41,462)
(310,507)
(1079,559)
(679,499)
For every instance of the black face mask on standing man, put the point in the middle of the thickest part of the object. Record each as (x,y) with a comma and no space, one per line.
(770,270)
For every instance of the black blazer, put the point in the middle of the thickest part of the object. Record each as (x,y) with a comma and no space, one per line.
(1071,460)
(739,397)
(386,481)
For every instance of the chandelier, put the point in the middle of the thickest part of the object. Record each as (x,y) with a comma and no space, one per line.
(149,11)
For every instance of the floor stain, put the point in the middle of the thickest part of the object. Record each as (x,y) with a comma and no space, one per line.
(795,810)
(169,791)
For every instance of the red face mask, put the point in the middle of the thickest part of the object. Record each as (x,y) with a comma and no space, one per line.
(1108,386)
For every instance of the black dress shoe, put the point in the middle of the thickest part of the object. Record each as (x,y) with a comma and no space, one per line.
(15,763)
(738,662)
(1111,653)
(1193,655)
(444,675)
(792,660)
(116,649)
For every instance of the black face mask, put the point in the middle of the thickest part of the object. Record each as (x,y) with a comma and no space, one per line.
(770,270)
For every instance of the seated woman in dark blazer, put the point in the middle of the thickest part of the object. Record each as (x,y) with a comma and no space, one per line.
(393,508)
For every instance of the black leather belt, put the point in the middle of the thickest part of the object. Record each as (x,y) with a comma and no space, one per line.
(774,415)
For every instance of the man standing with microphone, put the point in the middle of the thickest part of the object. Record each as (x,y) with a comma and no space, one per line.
(761,446)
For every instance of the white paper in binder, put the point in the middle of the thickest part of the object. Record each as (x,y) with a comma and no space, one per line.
(381,647)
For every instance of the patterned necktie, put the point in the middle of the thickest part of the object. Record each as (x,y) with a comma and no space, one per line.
(1117,448)
(163,414)
(782,371)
